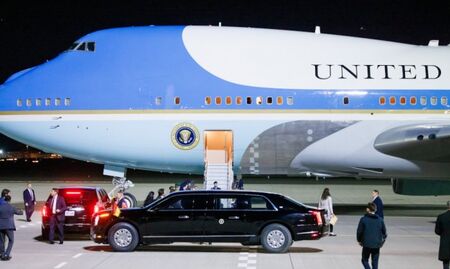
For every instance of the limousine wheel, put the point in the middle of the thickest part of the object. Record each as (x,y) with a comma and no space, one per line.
(276,238)
(123,237)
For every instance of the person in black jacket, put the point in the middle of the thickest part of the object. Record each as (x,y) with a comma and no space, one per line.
(150,198)
(376,199)
(29,200)
(443,230)
(371,234)
(7,226)
(57,206)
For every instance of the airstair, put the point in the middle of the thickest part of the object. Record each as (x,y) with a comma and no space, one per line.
(218,160)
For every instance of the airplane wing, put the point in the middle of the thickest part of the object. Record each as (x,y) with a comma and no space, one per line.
(419,142)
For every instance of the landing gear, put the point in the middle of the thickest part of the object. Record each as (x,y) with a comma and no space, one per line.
(120,182)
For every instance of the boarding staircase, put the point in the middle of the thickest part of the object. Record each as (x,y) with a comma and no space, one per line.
(217,168)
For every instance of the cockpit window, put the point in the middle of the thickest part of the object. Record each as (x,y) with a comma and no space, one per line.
(91,46)
(74,46)
(84,46)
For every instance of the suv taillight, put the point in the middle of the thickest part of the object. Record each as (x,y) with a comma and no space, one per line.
(44,211)
(317,216)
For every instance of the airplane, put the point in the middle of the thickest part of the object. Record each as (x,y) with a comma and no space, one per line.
(191,99)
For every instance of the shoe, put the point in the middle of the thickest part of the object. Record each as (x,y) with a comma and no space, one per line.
(61,242)
(333,234)
(6,258)
(28,220)
(51,242)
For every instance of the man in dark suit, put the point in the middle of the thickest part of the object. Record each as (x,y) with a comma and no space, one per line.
(378,202)
(57,206)
(29,200)
(443,230)
(7,226)
(371,234)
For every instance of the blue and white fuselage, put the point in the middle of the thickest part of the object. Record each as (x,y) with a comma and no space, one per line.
(295,102)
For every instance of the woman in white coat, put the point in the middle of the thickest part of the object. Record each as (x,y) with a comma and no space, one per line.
(326,202)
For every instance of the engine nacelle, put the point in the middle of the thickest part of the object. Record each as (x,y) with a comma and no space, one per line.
(421,187)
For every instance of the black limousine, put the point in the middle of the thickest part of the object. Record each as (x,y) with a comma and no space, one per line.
(251,218)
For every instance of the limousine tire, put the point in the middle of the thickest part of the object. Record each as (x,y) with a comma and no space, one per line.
(276,238)
(123,237)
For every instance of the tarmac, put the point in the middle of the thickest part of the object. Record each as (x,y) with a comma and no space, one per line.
(411,244)
(411,240)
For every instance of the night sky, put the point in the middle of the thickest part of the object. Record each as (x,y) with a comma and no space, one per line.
(32,32)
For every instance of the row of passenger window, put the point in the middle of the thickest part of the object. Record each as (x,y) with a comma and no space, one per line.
(238,100)
(403,100)
(43,102)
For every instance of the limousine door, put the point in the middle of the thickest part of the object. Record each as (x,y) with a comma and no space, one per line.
(228,219)
(180,217)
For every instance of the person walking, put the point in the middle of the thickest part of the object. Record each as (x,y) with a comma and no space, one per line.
(150,198)
(7,226)
(326,202)
(57,206)
(371,234)
(442,229)
(378,202)
(29,200)
(215,187)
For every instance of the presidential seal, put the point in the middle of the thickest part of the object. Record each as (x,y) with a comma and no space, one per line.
(185,136)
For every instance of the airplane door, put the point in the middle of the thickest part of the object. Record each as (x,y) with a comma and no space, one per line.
(218,158)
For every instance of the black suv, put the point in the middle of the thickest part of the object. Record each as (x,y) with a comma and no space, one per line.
(82,203)
(251,218)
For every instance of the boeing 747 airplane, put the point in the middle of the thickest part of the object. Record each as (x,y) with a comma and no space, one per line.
(227,101)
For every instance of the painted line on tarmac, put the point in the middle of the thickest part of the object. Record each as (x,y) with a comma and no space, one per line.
(247,259)
(60,265)
(77,255)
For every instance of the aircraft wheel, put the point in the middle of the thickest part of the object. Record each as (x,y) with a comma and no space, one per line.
(130,199)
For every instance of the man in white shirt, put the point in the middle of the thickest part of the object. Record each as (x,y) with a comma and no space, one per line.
(57,206)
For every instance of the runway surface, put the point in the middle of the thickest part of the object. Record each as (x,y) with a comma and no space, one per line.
(411,244)
(411,241)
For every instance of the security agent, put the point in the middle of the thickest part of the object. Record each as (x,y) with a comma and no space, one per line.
(215,187)
(443,230)
(371,234)
(57,206)
(7,226)
(29,200)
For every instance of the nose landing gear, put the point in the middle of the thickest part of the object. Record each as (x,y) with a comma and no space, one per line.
(120,182)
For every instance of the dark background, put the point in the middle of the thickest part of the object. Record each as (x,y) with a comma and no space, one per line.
(32,32)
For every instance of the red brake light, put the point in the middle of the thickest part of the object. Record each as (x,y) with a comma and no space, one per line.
(317,216)
(44,211)
(73,193)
